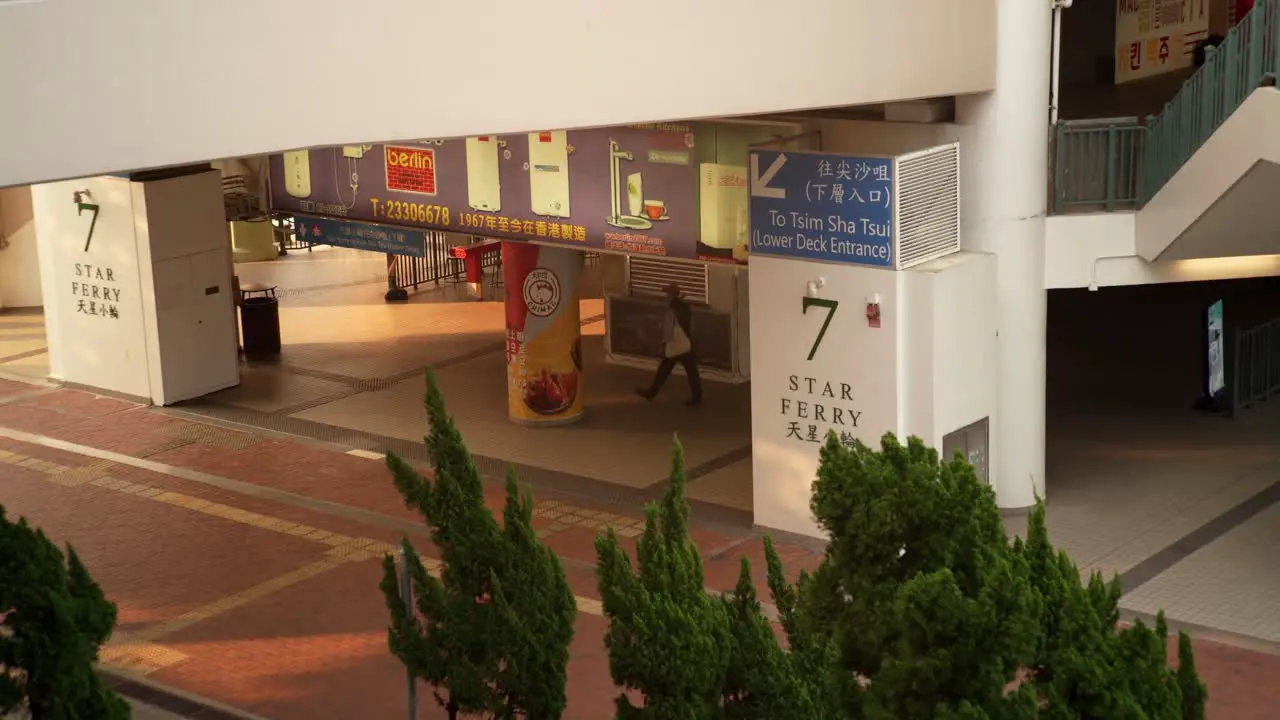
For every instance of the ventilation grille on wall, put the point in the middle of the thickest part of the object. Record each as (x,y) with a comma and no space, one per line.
(649,276)
(928,210)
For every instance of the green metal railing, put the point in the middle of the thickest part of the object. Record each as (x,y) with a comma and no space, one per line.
(1124,164)
(1097,164)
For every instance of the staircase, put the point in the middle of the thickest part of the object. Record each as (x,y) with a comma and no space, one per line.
(1123,164)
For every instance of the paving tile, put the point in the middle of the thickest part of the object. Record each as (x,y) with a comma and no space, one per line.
(61,457)
(130,432)
(299,468)
(321,637)
(9,388)
(155,561)
(587,448)
(1230,585)
(82,403)
(316,650)
(34,418)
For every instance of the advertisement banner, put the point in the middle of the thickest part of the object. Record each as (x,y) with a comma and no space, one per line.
(544,350)
(627,189)
(1217,372)
(832,208)
(1157,36)
(360,236)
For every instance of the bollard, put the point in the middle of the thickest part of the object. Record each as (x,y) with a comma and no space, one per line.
(406,592)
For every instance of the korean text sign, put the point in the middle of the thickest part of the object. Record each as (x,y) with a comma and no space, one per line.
(832,208)
(1157,36)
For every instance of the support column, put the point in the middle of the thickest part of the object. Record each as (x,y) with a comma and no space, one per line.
(1005,146)
(544,349)
(137,285)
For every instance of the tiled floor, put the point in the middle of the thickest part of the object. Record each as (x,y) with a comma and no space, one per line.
(352,361)
(1231,585)
(1130,492)
(1123,487)
(22,345)
(246,566)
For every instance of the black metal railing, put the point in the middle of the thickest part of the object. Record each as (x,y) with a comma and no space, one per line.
(407,271)
(1255,365)
(286,237)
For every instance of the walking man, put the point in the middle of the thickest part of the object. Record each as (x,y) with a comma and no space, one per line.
(677,336)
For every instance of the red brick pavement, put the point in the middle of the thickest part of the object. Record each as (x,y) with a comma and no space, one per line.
(10,387)
(155,561)
(316,648)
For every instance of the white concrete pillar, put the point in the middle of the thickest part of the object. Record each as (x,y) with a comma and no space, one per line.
(1005,147)
(136,280)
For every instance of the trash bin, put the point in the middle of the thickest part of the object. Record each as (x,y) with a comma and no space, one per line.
(260,326)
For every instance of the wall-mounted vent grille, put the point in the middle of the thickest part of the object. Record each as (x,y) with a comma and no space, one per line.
(927,215)
(649,276)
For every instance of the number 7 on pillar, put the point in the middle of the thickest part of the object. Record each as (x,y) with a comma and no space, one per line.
(830,305)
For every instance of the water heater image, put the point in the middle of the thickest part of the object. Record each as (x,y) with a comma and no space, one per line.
(724,205)
(297,173)
(549,173)
(484,189)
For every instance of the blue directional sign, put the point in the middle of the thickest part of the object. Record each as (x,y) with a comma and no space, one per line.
(360,236)
(833,208)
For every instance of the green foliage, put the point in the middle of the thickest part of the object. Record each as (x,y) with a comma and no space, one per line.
(1192,691)
(53,620)
(762,681)
(919,601)
(667,639)
(1084,667)
(492,632)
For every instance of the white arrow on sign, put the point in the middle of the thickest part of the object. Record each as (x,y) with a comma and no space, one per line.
(760,183)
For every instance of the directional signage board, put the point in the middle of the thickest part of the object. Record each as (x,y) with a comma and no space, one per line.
(360,236)
(832,208)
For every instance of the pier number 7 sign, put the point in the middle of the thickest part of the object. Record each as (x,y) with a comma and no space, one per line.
(828,305)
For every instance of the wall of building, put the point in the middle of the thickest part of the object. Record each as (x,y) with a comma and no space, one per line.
(849,386)
(949,355)
(142,307)
(19,259)
(92,70)
(926,368)
(94,315)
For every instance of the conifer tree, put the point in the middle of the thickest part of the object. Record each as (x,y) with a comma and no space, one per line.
(667,638)
(536,610)
(491,634)
(927,604)
(761,682)
(1083,666)
(53,620)
(1191,690)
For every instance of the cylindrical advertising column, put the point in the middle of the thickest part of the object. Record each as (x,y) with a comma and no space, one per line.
(544,351)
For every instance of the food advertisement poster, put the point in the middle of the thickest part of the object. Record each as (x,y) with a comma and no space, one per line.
(625,189)
(1157,36)
(544,351)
